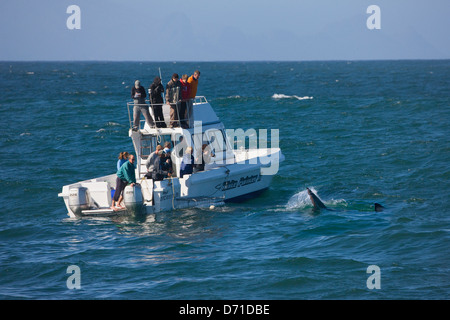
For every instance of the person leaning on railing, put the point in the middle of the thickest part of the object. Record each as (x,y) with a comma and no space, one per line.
(193,86)
(155,94)
(185,96)
(173,98)
(138,95)
(193,82)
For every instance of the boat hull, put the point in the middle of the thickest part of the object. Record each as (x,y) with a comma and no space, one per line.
(232,183)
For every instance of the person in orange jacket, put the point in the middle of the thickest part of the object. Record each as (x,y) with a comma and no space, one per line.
(193,84)
(193,81)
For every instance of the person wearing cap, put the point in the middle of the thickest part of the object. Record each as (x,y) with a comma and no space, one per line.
(155,95)
(173,98)
(138,95)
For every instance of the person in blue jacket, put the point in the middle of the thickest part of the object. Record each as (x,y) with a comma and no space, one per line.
(123,157)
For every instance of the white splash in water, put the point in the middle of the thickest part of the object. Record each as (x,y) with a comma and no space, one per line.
(300,200)
(283,96)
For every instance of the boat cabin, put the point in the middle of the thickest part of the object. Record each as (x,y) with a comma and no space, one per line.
(202,126)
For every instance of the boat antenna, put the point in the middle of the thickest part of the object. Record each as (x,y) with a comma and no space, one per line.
(164,96)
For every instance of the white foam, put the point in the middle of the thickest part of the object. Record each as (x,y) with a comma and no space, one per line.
(112,124)
(284,96)
(300,200)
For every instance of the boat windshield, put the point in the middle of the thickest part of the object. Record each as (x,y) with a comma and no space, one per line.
(217,140)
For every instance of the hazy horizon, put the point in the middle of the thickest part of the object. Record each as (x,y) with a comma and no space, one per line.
(246,30)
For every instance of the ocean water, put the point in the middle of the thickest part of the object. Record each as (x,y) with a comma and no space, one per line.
(355,132)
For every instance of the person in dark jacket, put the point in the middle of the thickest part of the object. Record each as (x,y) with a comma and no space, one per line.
(158,172)
(138,95)
(166,162)
(155,92)
(173,97)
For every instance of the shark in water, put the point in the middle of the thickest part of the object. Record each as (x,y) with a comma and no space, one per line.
(318,204)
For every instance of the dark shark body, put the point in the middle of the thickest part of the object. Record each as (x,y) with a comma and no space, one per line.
(317,203)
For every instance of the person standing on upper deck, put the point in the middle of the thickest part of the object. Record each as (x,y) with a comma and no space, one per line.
(185,96)
(138,95)
(193,81)
(193,85)
(173,98)
(155,92)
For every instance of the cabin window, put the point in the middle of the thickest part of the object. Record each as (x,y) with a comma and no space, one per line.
(198,140)
(216,140)
(180,145)
(147,146)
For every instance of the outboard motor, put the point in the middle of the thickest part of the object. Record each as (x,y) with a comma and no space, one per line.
(79,199)
(133,200)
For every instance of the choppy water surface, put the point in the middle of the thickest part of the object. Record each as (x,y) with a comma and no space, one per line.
(354,132)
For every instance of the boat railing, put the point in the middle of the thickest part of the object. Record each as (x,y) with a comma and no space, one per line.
(200,99)
(178,114)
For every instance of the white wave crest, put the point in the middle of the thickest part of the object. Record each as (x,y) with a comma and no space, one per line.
(284,96)
(112,124)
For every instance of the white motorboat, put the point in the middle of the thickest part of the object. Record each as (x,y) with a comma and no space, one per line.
(234,173)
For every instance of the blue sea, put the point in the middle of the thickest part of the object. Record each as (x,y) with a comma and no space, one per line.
(355,132)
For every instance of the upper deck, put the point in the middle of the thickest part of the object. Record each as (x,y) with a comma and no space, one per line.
(198,113)
(200,125)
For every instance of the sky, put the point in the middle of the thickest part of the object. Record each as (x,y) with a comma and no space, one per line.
(229,30)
